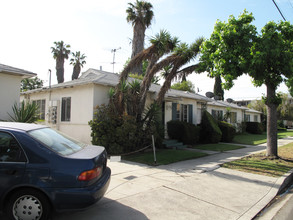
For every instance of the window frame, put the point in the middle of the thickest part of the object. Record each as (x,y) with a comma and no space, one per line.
(22,154)
(41,103)
(66,109)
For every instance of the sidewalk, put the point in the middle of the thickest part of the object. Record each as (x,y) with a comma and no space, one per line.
(193,189)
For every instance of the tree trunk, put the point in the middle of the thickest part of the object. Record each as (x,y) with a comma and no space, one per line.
(272,140)
(218,90)
(60,70)
(137,45)
(76,72)
(146,83)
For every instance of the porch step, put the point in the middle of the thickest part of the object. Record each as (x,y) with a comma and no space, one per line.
(173,144)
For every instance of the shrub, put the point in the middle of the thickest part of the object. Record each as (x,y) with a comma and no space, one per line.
(175,129)
(210,131)
(118,134)
(25,112)
(254,127)
(228,131)
(186,132)
(191,133)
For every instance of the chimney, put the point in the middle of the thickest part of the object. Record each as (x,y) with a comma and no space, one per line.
(101,68)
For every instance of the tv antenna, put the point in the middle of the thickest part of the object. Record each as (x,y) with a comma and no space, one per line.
(114,51)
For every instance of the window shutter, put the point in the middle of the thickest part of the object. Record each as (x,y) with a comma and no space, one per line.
(190,114)
(174,111)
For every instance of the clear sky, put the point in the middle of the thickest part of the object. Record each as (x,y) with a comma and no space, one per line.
(95,27)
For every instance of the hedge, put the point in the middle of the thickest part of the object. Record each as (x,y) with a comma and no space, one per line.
(254,127)
(210,131)
(228,131)
(186,132)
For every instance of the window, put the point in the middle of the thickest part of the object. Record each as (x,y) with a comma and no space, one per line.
(10,151)
(255,118)
(57,141)
(65,109)
(233,117)
(41,104)
(182,112)
(217,114)
(247,118)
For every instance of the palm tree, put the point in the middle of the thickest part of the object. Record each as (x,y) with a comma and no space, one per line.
(162,43)
(60,53)
(77,61)
(181,56)
(140,15)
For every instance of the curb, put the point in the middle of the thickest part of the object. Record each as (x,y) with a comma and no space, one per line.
(283,182)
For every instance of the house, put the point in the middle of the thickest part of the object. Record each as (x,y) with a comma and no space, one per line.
(10,79)
(69,106)
(234,113)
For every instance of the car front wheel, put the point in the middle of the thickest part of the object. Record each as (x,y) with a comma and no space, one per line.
(28,204)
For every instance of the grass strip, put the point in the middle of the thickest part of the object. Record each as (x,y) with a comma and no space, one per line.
(260,164)
(256,139)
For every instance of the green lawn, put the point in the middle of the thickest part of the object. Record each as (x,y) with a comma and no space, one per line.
(255,139)
(163,156)
(217,147)
(259,164)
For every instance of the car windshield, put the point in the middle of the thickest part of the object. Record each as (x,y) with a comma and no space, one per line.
(57,141)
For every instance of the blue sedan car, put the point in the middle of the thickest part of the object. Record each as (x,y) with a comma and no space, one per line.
(42,170)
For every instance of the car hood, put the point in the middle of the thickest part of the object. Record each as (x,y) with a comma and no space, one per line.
(88,152)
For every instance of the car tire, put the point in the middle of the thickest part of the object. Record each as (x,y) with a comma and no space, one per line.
(28,204)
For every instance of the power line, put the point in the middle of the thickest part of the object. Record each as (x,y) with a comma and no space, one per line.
(279,10)
(290,3)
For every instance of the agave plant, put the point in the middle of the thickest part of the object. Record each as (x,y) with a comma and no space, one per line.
(25,112)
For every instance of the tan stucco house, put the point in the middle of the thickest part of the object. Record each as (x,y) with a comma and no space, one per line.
(10,79)
(69,106)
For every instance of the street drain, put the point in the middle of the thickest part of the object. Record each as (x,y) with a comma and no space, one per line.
(130,177)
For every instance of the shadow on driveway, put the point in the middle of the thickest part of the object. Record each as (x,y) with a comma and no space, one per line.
(104,209)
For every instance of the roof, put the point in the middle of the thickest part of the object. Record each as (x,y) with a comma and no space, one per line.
(20,126)
(99,77)
(16,71)
(225,104)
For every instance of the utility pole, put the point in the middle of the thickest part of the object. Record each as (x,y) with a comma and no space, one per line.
(114,51)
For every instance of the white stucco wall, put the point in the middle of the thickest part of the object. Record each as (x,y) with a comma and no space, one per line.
(168,109)
(9,94)
(81,110)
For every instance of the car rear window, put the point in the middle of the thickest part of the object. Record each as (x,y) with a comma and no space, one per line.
(57,141)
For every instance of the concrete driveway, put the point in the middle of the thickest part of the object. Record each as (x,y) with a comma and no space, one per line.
(193,189)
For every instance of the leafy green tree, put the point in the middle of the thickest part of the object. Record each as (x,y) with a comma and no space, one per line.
(140,15)
(77,61)
(60,52)
(285,109)
(184,86)
(30,84)
(258,105)
(235,48)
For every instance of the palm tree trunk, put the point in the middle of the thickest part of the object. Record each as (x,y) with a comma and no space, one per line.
(137,45)
(76,72)
(272,141)
(145,85)
(60,69)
